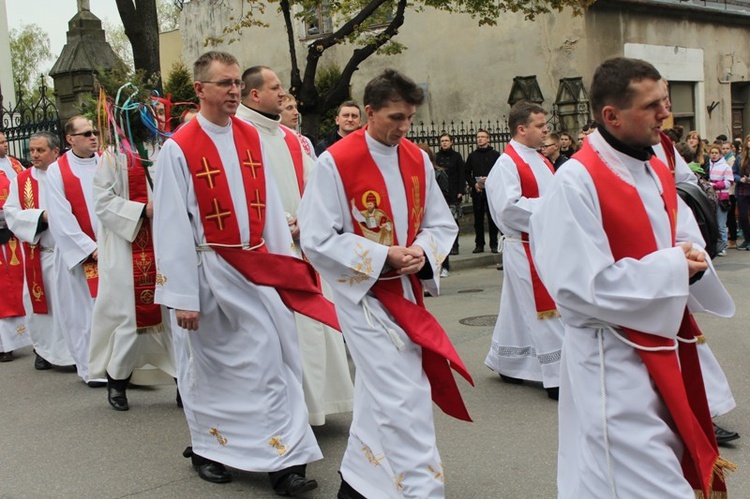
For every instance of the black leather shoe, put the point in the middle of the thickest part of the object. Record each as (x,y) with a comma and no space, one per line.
(553,393)
(724,436)
(208,470)
(454,251)
(510,380)
(294,484)
(116,393)
(96,384)
(6,356)
(493,249)
(346,491)
(478,249)
(40,363)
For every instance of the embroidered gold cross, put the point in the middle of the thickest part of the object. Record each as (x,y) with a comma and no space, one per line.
(251,164)
(208,173)
(257,204)
(217,215)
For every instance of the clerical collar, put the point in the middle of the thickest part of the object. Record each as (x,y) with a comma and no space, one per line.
(274,117)
(643,154)
(81,157)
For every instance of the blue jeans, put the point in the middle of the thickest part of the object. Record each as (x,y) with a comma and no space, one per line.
(721,219)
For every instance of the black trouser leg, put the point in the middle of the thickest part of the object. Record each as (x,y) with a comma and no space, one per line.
(478,202)
(732,219)
(493,228)
(276,476)
(743,203)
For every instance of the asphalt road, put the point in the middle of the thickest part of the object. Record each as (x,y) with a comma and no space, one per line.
(59,438)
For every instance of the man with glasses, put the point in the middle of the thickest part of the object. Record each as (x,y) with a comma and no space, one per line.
(73,224)
(225,267)
(528,334)
(326,381)
(551,150)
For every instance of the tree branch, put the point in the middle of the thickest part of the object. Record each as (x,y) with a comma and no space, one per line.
(296,80)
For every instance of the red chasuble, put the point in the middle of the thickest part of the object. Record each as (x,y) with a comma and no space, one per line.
(293,278)
(147,313)
(677,375)
(28,192)
(11,267)
(364,184)
(295,149)
(545,305)
(74,195)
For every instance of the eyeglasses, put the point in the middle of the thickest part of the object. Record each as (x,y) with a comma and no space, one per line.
(227,83)
(545,146)
(87,133)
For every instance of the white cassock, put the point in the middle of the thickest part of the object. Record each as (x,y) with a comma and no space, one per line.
(118,347)
(7,168)
(523,346)
(391,451)
(72,299)
(46,330)
(240,373)
(636,452)
(720,398)
(326,379)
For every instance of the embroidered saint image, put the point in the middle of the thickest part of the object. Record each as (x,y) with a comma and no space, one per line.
(375,224)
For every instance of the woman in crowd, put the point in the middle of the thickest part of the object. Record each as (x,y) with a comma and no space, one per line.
(696,144)
(741,171)
(721,178)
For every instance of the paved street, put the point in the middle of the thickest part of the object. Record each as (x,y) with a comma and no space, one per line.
(59,438)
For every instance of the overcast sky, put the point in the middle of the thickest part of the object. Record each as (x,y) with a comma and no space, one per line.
(53,16)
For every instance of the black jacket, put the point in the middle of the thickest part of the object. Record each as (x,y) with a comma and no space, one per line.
(327,141)
(453,164)
(479,163)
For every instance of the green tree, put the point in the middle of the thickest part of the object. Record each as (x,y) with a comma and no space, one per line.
(30,52)
(370,26)
(179,86)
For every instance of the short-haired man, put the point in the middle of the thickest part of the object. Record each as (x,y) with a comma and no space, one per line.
(225,268)
(73,223)
(375,225)
(131,339)
(451,161)
(326,380)
(479,163)
(528,333)
(348,120)
(567,146)
(8,164)
(551,150)
(290,119)
(26,213)
(13,334)
(622,286)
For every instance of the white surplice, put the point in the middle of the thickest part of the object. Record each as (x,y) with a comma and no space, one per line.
(391,451)
(326,379)
(523,346)
(118,347)
(72,300)
(720,398)
(6,167)
(240,373)
(615,432)
(46,330)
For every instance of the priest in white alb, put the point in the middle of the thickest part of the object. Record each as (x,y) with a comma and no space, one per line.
(326,379)
(528,335)
(375,225)
(621,255)
(226,269)
(26,213)
(73,223)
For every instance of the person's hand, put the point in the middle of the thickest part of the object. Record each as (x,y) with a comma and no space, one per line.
(45,218)
(150,209)
(478,187)
(294,229)
(95,255)
(187,319)
(696,259)
(406,260)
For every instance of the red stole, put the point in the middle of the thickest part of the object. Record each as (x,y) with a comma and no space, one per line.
(295,149)
(362,180)
(15,164)
(28,192)
(74,194)
(545,305)
(677,376)
(11,268)
(293,278)
(668,146)
(147,313)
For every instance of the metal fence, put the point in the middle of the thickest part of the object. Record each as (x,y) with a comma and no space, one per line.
(24,119)
(464,134)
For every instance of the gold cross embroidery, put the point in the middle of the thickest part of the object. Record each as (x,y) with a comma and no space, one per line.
(217,215)
(251,164)
(208,173)
(257,204)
